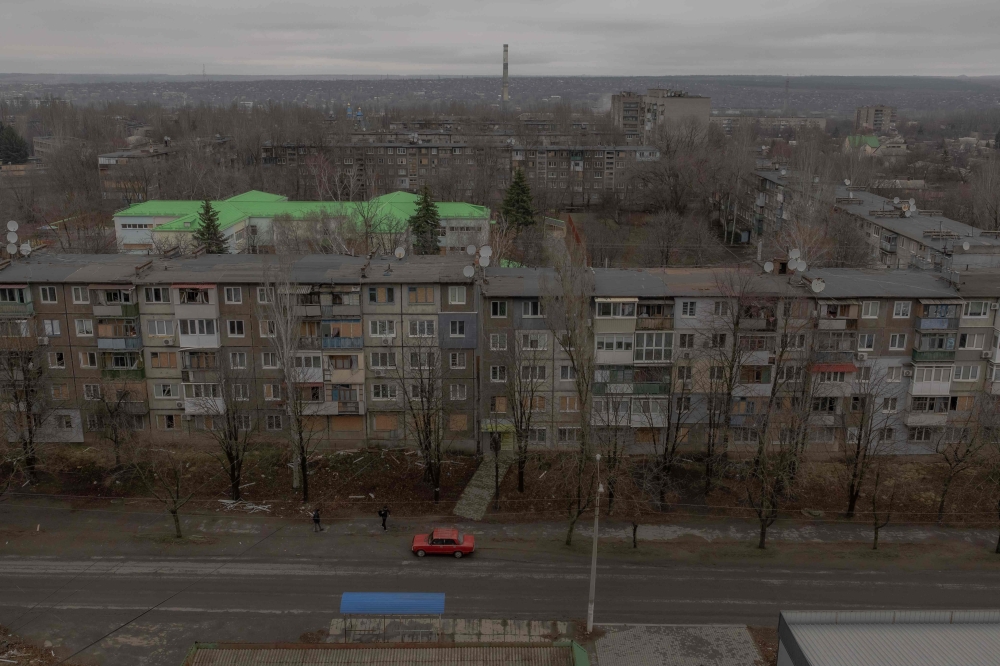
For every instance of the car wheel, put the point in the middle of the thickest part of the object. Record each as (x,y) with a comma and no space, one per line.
(420,553)
(458,554)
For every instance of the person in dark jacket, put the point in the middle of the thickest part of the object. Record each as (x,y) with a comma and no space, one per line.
(316,526)
(383,513)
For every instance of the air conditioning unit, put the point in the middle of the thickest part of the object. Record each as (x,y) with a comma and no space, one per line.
(380,373)
(907,373)
(862,356)
(994,306)
(385,342)
(168,343)
(179,404)
(187,417)
(43,340)
(986,354)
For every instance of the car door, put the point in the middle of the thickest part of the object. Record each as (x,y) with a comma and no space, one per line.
(448,546)
(434,546)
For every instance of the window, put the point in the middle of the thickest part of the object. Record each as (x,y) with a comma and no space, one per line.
(683,403)
(349,362)
(793,341)
(901,309)
(381,295)
(274,422)
(976,309)
(859,403)
(498,404)
(383,360)
(51,327)
(269,360)
(272,391)
(81,295)
(458,329)
(755,374)
(498,308)
(615,309)
(889,405)
(567,373)
(458,391)
(893,374)
(824,404)
(234,295)
(897,341)
(84,327)
(157,294)
(721,308)
(165,390)
(828,377)
(869,310)
(309,361)
(265,295)
(383,391)
(866,341)
(498,341)
(614,342)
(236,328)
(421,360)
(569,403)
(48,294)
(932,373)
(653,346)
(160,327)
(162,360)
(533,372)
(498,373)
(688,308)
(534,340)
(456,295)
(537,435)
(971,340)
(57,360)
(382,328)
(718,341)
(420,294)
(531,309)
(685,340)
(197,326)
(966,373)
(166,421)
(920,434)
(423,328)
(60,391)
(567,435)
(241,392)
(88,359)
(91,391)
(456,360)
(201,390)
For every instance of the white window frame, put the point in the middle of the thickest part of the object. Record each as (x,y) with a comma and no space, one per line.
(87,326)
(265,295)
(264,358)
(389,326)
(902,309)
(457,294)
(458,392)
(532,309)
(871,339)
(498,341)
(238,360)
(498,374)
(81,295)
(457,328)
(689,309)
(268,328)
(46,291)
(233,324)
(85,358)
(457,360)
(967,309)
(498,309)
(52,327)
(897,341)
(233,295)
(869,309)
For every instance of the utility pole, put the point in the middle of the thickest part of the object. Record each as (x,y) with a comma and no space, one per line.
(593,555)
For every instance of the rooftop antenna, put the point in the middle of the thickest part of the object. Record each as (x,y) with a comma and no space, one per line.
(505,96)
(787,81)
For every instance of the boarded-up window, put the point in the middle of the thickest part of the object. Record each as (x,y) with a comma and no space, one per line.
(314,423)
(163,359)
(644,435)
(458,422)
(386,421)
(346,423)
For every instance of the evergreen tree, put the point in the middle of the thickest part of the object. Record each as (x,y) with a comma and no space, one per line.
(516,206)
(424,224)
(13,148)
(209,234)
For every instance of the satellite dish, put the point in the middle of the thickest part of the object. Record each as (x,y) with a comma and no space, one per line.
(908,213)
(802,266)
(768,266)
(815,179)
(400,252)
(484,261)
(11,237)
(913,202)
(486,251)
(818,285)
(468,271)
(847,181)
(966,246)
(794,254)
(26,249)
(471,250)
(11,249)
(783,172)
(895,200)
(12,226)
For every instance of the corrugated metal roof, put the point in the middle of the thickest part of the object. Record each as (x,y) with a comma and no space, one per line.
(392,603)
(343,655)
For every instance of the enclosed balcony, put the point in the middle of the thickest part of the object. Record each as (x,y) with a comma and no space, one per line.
(932,355)
(937,323)
(9,309)
(343,343)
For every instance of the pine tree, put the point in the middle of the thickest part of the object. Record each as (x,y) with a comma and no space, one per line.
(424,224)
(209,234)
(13,148)
(516,206)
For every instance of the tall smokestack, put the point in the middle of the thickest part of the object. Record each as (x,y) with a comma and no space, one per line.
(505,96)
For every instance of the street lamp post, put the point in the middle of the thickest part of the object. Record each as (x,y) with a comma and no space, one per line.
(593,555)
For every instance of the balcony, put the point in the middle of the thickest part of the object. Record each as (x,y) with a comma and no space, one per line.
(937,324)
(119,343)
(758,324)
(206,341)
(200,376)
(343,343)
(117,310)
(651,388)
(654,323)
(613,388)
(887,247)
(926,419)
(123,373)
(329,311)
(199,406)
(837,324)
(929,356)
(17,309)
(310,342)
(353,407)
(308,310)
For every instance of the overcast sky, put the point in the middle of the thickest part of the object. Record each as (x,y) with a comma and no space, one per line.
(639,37)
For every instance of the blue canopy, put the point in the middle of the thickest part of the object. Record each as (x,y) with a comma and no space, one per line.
(392,603)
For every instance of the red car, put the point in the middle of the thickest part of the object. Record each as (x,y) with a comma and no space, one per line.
(444,542)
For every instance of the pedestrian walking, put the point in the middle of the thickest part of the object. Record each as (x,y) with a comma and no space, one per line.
(316,526)
(383,513)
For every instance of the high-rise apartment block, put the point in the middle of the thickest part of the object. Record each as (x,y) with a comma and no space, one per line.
(880,119)
(639,116)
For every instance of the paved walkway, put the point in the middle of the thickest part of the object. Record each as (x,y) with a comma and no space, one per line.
(476,497)
(676,645)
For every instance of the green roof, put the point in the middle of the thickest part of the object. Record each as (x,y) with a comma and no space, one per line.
(399,206)
(858,140)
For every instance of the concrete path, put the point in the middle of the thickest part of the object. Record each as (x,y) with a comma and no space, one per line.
(676,645)
(476,497)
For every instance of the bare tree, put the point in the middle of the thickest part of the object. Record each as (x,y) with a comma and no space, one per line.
(163,472)
(523,354)
(116,410)
(766,481)
(985,183)
(883,494)
(962,445)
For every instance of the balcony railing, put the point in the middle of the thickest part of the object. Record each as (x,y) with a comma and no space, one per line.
(349,407)
(119,343)
(310,342)
(654,323)
(343,343)
(123,373)
(920,355)
(937,323)
(17,309)
(887,247)
(651,388)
